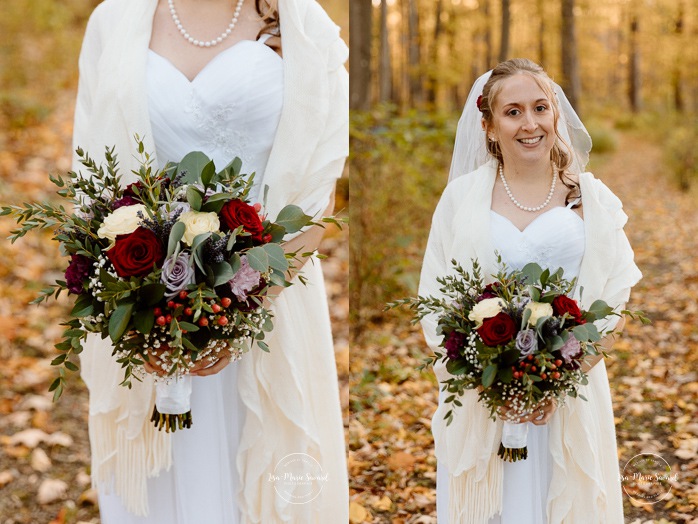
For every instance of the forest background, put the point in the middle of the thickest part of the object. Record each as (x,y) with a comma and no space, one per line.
(630,68)
(44,451)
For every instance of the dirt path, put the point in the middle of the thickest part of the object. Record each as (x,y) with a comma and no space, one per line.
(652,371)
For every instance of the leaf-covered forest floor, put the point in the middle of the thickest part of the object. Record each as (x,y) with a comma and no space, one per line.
(44,448)
(652,369)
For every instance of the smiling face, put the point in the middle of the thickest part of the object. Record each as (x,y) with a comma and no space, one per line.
(523,122)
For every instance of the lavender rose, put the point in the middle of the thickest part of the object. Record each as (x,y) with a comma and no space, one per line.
(77,272)
(526,342)
(571,351)
(176,274)
(454,343)
(245,280)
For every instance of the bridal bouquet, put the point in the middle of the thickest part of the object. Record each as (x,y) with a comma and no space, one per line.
(173,268)
(519,341)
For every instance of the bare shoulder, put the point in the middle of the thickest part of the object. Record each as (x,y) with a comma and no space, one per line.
(274,42)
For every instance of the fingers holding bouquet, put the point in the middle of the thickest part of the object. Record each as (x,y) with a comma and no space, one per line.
(539,414)
(203,366)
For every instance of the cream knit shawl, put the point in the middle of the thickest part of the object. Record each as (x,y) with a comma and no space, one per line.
(585,485)
(290,395)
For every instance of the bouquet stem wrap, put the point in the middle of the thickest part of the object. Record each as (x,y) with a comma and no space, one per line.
(513,446)
(172,408)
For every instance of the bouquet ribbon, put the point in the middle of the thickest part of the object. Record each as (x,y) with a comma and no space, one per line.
(172,408)
(513,446)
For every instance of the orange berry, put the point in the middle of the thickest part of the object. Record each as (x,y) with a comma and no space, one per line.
(160,321)
(183,295)
(188,311)
(203,322)
(225,301)
(223,321)
(216,308)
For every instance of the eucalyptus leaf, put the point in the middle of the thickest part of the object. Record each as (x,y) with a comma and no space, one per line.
(176,234)
(532,272)
(258,259)
(223,273)
(207,174)
(193,164)
(277,257)
(292,218)
(195,198)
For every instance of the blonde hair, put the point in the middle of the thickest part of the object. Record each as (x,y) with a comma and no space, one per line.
(268,10)
(561,153)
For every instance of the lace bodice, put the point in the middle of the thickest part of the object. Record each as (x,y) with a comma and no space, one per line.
(554,239)
(231,108)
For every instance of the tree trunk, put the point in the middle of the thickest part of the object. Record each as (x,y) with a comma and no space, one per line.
(360,57)
(541,33)
(434,58)
(506,23)
(488,34)
(414,55)
(570,65)
(676,80)
(634,65)
(385,69)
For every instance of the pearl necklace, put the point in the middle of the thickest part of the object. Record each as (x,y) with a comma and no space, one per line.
(202,43)
(516,203)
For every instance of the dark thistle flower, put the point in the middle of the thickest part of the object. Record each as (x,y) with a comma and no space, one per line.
(215,250)
(161,229)
(77,272)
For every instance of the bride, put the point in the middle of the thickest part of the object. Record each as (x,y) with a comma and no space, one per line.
(518,187)
(262,80)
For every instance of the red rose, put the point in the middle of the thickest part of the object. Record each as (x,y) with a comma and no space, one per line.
(136,253)
(564,304)
(497,330)
(236,213)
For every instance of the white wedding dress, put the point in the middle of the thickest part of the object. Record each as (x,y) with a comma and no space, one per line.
(553,239)
(231,108)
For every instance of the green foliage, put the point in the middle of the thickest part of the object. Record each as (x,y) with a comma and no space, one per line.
(399,167)
(681,155)
(603,138)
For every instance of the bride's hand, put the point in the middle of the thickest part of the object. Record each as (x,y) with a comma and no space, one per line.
(539,414)
(202,368)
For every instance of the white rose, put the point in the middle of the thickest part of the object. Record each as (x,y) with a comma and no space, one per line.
(123,221)
(538,310)
(197,223)
(487,308)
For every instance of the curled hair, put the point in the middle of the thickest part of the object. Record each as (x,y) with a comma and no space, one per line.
(561,153)
(269,13)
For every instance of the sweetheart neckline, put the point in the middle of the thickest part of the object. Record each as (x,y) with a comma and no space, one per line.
(214,59)
(536,219)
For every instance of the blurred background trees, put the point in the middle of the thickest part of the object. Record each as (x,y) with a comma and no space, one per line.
(626,65)
(618,53)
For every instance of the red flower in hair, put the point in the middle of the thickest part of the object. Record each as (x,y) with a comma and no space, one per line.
(479,102)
